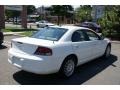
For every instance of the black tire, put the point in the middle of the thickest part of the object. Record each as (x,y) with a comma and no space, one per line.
(1,43)
(38,26)
(107,51)
(46,26)
(68,67)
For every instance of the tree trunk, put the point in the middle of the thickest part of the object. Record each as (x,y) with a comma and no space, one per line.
(2,17)
(24,17)
(58,21)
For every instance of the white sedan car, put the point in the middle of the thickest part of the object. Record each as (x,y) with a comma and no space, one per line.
(57,49)
(43,23)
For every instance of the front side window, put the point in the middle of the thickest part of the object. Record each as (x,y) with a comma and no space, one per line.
(92,36)
(78,36)
(49,33)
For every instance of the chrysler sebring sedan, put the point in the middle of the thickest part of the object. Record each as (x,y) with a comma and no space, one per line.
(57,49)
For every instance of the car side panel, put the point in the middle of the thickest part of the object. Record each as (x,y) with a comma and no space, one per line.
(100,48)
(61,51)
(83,51)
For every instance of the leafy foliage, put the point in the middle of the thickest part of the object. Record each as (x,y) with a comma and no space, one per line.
(30,9)
(61,11)
(83,13)
(111,22)
(13,13)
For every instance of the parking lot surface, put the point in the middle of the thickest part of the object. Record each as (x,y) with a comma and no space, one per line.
(98,72)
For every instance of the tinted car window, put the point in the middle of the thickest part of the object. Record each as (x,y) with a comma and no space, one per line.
(91,25)
(53,34)
(92,36)
(78,36)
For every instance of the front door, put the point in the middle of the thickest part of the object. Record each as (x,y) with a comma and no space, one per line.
(96,42)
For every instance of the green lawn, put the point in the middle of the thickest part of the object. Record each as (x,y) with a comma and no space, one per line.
(18,30)
(27,33)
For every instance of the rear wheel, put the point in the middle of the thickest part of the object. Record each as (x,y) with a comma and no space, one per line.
(38,26)
(1,43)
(68,67)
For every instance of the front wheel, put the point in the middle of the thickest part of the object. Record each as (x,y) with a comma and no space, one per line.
(68,67)
(107,51)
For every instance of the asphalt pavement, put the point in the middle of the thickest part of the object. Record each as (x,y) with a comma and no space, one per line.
(101,71)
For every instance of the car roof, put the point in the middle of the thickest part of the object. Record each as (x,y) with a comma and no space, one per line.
(70,27)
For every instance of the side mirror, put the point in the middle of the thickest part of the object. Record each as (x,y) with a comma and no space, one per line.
(102,37)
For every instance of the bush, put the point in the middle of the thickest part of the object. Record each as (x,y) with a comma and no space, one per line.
(113,34)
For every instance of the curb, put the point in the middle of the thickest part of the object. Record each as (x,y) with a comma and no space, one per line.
(117,42)
(19,35)
(7,34)
(14,35)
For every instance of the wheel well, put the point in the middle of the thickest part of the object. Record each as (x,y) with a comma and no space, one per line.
(72,56)
(109,44)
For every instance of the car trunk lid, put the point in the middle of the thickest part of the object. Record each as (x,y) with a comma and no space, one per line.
(27,45)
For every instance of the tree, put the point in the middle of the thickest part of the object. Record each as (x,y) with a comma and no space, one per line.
(12,14)
(83,13)
(15,14)
(30,9)
(111,22)
(61,11)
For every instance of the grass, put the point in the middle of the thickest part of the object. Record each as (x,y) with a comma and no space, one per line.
(27,33)
(18,30)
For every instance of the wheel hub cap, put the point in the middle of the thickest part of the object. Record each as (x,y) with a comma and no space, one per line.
(69,68)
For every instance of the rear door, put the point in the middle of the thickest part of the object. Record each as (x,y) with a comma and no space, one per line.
(81,46)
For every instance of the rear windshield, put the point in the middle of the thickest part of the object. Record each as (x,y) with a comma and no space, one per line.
(53,34)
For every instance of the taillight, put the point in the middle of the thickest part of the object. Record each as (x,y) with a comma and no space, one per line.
(43,51)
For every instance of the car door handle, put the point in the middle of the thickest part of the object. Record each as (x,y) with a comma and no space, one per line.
(76,46)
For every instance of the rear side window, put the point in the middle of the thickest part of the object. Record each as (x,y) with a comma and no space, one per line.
(49,33)
(78,36)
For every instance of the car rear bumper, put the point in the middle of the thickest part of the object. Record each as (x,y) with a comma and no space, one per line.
(33,64)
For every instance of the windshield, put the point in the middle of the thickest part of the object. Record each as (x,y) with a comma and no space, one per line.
(53,34)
